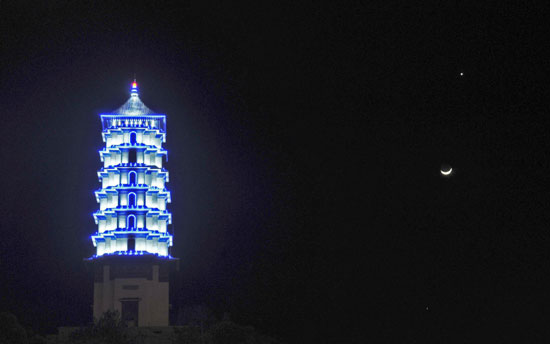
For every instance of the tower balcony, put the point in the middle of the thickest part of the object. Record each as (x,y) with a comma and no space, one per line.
(148,155)
(116,121)
(117,168)
(143,187)
(119,240)
(132,253)
(146,136)
(125,146)
(133,175)
(132,197)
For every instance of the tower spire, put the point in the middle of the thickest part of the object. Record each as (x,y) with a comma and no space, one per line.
(134,90)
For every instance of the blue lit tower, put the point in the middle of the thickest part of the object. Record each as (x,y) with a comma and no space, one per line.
(132,259)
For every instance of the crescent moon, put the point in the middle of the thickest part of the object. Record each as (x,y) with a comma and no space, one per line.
(446,173)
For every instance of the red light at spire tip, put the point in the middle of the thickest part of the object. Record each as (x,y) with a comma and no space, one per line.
(134,84)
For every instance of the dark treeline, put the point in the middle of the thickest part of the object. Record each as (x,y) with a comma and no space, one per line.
(195,324)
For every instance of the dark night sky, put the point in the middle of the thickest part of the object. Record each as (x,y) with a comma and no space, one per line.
(305,144)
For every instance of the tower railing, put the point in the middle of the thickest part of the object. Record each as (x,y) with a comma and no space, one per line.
(114,121)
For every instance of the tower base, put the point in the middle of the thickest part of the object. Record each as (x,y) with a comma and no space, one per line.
(135,286)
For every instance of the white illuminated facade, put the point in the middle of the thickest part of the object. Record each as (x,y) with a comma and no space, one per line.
(132,218)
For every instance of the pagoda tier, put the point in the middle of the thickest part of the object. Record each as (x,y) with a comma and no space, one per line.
(132,218)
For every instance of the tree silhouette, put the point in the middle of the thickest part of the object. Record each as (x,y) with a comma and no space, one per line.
(11,332)
(108,329)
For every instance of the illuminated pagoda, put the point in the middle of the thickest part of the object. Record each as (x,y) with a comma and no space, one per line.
(132,260)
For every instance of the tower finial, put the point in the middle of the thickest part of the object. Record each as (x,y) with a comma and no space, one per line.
(134,91)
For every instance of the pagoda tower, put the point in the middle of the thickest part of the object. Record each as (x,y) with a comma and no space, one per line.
(132,259)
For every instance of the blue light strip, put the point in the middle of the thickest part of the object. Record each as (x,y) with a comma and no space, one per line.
(132,253)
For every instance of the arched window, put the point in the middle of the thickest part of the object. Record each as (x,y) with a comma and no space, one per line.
(133,138)
(131,243)
(132,176)
(132,155)
(131,199)
(131,221)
